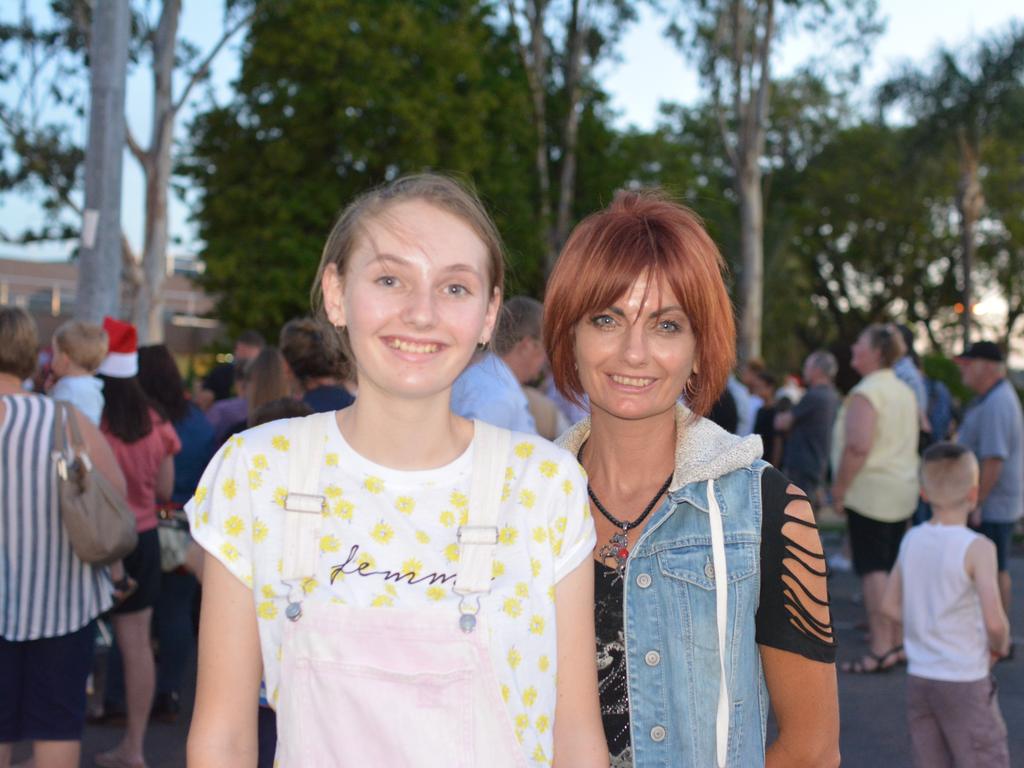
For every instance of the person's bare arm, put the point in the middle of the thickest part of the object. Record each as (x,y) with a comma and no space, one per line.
(892,601)
(860,434)
(991,468)
(981,568)
(805,699)
(784,421)
(223,731)
(100,453)
(579,735)
(165,479)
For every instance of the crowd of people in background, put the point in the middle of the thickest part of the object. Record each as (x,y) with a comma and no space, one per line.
(153,435)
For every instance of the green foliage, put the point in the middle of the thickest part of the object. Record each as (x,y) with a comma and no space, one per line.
(941,368)
(334,97)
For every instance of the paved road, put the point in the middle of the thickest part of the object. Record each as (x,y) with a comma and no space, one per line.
(873,724)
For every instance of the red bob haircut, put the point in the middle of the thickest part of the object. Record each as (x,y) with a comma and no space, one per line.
(642,232)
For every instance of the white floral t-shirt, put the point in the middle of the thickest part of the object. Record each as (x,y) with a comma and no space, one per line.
(405,522)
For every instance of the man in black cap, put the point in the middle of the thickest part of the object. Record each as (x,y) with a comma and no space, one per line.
(993,428)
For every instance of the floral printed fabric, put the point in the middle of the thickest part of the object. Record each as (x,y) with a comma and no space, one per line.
(388,541)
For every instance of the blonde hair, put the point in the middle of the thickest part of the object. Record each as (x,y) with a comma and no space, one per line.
(19,342)
(84,343)
(948,473)
(266,380)
(442,192)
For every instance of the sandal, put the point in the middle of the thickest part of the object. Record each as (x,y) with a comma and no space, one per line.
(860,666)
(124,588)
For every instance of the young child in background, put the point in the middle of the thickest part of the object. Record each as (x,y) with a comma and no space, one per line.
(945,589)
(78,351)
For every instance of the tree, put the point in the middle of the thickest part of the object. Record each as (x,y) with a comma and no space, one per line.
(734,42)
(46,64)
(959,104)
(334,97)
(559,76)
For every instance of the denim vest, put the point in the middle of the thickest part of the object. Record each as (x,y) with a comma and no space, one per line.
(671,633)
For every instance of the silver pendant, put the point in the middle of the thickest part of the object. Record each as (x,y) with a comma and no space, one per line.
(293,611)
(467,622)
(617,549)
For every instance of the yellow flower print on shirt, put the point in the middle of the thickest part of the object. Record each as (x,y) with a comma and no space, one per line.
(537,625)
(329,544)
(435,593)
(267,610)
(504,692)
(458,500)
(447,518)
(200,494)
(451,552)
(234,526)
(527,498)
(508,535)
(230,551)
(268,592)
(382,601)
(567,486)
(259,461)
(538,755)
(229,488)
(308,585)
(255,480)
(331,459)
(535,567)
(373,484)
(422,537)
(548,468)
(542,724)
(506,491)
(524,450)
(383,532)
(280,442)
(405,505)
(497,569)
(332,491)
(512,607)
(514,658)
(343,509)
(543,663)
(522,722)
(540,534)
(413,566)
(259,530)
(510,474)
(522,590)
(530,696)
(280,494)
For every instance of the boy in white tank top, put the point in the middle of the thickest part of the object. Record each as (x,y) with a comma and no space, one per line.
(945,590)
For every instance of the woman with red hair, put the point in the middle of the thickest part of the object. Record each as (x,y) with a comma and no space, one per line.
(709,574)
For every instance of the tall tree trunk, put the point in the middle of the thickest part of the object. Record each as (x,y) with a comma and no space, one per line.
(969,202)
(751,258)
(99,267)
(149,306)
(570,132)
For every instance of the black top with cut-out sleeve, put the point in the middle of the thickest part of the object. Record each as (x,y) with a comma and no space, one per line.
(792,614)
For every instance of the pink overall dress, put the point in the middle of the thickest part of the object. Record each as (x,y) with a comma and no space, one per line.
(390,688)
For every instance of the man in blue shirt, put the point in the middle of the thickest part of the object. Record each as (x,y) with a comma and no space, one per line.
(491,388)
(993,428)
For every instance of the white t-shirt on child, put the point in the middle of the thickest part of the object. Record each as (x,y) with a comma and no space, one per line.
(943,629)
(402,522)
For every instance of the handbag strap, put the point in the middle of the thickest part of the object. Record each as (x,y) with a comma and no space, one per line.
(479,537)
(66,449)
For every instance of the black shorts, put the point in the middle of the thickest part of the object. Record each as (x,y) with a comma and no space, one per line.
(1000,534)
(143,565)
(874,544)
(42,696)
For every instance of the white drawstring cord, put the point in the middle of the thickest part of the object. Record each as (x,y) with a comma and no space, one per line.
(721,610)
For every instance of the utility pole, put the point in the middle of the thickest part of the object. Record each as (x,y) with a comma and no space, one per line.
(99,266)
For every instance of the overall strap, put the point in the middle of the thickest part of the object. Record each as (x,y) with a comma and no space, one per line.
(303,505)
(722,623)
(478,538)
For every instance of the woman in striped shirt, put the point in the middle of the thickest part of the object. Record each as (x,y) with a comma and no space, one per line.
(49,599)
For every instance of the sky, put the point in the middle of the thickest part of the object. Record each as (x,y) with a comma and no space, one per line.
(648,70)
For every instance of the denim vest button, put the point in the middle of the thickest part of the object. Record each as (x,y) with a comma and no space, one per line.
(643,580)
(658,733)
(652,658)
(709,570)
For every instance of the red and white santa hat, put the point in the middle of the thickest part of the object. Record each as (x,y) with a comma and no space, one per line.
(122,360)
